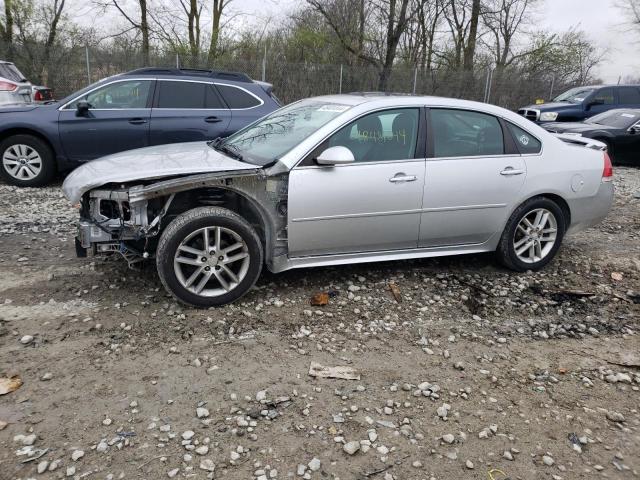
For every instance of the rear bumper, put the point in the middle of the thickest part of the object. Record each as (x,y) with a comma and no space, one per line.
(590,211)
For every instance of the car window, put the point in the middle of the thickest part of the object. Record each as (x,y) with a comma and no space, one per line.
(380,136)
(605,96)
(119,95)
(236,97)
(629,95)
(181,94)
(11,72)
(463,133)
(525,142)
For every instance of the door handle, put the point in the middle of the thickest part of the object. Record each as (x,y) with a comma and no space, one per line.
(510,171)
(137,121)
(212,119)
(401,178)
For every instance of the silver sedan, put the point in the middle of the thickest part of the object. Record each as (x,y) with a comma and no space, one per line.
(338,180)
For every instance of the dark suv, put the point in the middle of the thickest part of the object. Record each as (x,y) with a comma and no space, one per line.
(144,107)
(583,102)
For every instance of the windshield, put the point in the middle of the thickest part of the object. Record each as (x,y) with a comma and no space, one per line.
(575,95)
(270,138)
(616,118)
(11,72)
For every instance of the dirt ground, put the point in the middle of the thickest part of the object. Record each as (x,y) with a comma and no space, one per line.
(477,373)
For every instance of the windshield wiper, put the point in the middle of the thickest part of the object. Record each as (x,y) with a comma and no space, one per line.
(230,150)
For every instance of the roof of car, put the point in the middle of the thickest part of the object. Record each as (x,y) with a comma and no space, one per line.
(192,72)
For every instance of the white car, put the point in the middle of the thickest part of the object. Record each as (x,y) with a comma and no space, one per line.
(14,87)
(337,180)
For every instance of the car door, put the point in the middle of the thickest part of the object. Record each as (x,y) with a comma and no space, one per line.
(372,204)
(187,111)
(602,100)
(628,97)
(472,177)
(117,120)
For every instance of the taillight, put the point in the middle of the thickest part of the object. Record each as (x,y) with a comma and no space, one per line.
(38,96)
(7,86)
(607,172)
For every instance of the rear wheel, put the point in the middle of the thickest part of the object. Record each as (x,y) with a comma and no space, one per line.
(532,235)
(26,161)
(209,257)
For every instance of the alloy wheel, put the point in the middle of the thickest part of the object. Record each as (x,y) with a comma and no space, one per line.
(211,261)
(22,162)
(535,235)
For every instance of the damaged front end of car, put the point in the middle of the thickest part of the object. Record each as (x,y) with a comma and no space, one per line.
(127,219)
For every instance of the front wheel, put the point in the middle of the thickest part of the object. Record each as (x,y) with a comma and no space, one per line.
(532,235)
(209,257)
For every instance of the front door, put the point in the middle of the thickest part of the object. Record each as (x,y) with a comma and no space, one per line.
(372,204)
(471,184)
(117,120)
(187,111)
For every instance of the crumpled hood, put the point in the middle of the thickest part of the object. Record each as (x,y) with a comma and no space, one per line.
(149,163)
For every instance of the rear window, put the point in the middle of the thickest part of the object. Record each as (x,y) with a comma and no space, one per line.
(11,72)
(236,97)
(525,142)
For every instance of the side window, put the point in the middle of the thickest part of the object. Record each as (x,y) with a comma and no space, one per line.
(236,97)
(525,142)
(181,94)
(629,95)
(119,95)
(380,136)
(212,99)
(605,96)
(462,133)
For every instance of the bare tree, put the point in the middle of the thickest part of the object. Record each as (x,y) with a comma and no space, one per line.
(505,19)
(6,27)
(219,7)
(631,8)
(141,24)
(391,15)
(463,17)
(193,12)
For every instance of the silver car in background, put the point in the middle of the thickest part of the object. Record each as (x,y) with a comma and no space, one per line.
(14,87)
(337,180)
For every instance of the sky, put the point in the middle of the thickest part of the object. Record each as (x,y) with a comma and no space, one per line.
(603,22)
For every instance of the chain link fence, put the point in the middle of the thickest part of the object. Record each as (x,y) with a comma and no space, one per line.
(70,69)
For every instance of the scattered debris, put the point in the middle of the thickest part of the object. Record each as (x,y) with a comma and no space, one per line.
(395,291)
(342,372)
(8,385)
(320,299)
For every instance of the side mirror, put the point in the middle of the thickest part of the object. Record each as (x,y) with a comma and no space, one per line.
(82,108)
(335,156)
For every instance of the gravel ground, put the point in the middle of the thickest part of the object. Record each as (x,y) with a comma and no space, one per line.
(475,373)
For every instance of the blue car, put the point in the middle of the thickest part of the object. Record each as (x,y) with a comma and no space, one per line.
(141,108)
(580,103)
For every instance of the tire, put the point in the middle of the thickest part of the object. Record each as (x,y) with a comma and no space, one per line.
(180,256)
(512,235)
(36,166)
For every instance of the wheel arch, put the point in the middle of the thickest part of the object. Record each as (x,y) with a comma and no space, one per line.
(233,199)
(554,197)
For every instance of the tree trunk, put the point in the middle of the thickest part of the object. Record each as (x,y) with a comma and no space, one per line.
(144,30)
(51,39)
(218,8)
(470,48)
(7,30)
(394,32)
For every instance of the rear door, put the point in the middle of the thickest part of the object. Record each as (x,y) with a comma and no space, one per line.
(473,176)
(117,120)
(187,111)
(629,97)
(605,99)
